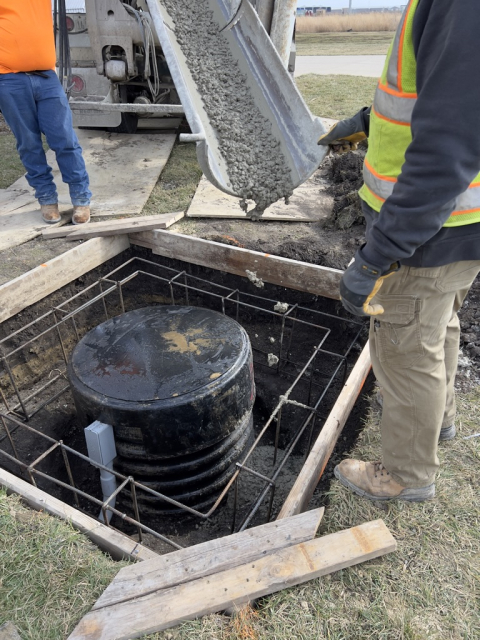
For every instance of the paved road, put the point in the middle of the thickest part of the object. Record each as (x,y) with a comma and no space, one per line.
(370,66)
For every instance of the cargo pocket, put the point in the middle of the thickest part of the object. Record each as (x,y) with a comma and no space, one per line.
(398,332)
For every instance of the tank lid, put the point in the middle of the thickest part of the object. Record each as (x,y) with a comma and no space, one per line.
(158,353)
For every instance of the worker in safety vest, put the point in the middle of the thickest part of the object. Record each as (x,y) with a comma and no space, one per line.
(421,201)
(33,102)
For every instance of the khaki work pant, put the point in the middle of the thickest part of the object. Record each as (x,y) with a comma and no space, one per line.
(414,347)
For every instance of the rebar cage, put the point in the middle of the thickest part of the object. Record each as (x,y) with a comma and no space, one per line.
(304,351)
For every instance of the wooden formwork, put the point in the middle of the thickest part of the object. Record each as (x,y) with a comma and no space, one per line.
(45,279)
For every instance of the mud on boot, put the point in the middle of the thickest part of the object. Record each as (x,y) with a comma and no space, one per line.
(371,480)
(81,215)
(50,213)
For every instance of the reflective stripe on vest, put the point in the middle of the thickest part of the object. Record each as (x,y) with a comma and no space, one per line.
(382,188)
(395,99)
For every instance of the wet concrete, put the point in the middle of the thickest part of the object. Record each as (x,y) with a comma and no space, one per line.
(256,166)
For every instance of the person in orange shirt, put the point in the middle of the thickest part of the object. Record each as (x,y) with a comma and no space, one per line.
(33,102)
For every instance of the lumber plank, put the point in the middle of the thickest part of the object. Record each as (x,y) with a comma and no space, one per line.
(297,275)
(274,572)
(209,557)
(118,545)
(302,491)
(115,227)
(40,282)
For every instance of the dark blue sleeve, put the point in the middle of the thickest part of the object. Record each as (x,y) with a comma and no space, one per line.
(444,156)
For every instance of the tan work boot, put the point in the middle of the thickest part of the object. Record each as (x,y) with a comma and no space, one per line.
(446,433)
(371,480)
(81,215)
(50,213)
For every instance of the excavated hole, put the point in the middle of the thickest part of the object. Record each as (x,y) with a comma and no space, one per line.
(40,359)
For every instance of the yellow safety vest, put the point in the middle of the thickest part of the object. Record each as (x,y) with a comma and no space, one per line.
(391,131)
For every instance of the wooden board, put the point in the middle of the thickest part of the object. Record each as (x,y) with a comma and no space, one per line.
(123,170)
(309,203)
(301,276)
(209,557)
(118,545)
(274,572)
(302,491)
(40,282)
(115,227)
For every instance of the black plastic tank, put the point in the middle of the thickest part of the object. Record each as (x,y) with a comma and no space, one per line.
(176,383)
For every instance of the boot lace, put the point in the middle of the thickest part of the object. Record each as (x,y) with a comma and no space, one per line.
(379,468)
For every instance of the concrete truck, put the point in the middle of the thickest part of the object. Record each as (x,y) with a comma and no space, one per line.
(223,64)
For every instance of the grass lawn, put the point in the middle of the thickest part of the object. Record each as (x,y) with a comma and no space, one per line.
(343,44)
(177,183)
(10,166)
(50,574)
(336,96)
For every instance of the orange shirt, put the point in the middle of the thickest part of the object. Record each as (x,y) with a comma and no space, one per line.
(26,36)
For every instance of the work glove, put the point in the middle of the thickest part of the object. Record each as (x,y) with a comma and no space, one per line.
(360,283)
(346,134)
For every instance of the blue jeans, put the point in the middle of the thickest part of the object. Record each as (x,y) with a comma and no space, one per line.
(32,105)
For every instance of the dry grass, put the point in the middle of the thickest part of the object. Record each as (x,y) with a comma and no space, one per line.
(343,44)
(336,96)
(177,183)
(376,21)
(10,166)
(50,574)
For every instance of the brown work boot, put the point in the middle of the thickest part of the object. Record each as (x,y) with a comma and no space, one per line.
(50,213)
(446,433)
(371,480)
(81,215)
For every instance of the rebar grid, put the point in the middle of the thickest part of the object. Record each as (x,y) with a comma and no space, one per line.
(64,324)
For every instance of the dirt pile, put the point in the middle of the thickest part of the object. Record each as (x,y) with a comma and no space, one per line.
(255,164)
(344,173)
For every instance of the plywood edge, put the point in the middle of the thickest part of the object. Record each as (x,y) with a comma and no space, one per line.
(265,267)
(118,545)
(40,282)
(302,491)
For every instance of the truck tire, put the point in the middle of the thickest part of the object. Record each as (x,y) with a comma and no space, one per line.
(128,125)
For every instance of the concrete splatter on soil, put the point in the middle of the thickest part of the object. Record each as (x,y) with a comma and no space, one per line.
(254,279)
(256,166)
(281,307)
